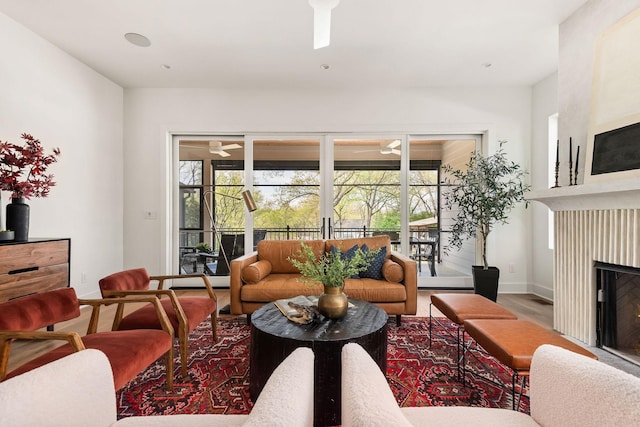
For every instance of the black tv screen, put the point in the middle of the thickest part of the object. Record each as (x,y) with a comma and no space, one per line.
(616,150)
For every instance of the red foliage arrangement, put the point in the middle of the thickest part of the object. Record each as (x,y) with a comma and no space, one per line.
(22,168)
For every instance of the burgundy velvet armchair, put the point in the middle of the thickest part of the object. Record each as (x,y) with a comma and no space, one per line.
(129,352)
(184,312)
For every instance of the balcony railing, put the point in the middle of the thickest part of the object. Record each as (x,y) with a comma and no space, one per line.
(190,238)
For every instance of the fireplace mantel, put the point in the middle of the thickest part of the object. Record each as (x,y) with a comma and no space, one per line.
(619,194)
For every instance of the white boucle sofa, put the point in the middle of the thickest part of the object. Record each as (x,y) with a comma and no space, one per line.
(78,390)
(566,389)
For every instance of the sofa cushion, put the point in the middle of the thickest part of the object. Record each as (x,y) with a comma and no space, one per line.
(277,286)
(278,252)
(256,271)
(464,416)
(373,290)
(374,271)
(287,397)
(75,391)
(367,399)
(392,272)
(568,388)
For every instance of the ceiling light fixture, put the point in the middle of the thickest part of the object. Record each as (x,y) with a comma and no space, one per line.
(137,39)
(165,66)
(325,66)
(322,21)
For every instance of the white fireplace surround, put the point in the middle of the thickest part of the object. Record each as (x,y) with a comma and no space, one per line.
(593,222)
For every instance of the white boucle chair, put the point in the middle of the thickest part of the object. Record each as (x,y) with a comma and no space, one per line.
(566,389)
(77,390)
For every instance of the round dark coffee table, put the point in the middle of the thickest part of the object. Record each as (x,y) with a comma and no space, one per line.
(274,337)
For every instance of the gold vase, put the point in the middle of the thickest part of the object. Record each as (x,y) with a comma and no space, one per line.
(333,302)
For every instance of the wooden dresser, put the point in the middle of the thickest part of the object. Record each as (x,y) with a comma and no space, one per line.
(37,265)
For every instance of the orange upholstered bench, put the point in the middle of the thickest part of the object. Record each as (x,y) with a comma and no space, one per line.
(461,307)
(513,343)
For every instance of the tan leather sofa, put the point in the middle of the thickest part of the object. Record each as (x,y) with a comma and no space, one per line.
(266,275)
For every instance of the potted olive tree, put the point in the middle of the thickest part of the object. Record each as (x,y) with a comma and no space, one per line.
(482,196)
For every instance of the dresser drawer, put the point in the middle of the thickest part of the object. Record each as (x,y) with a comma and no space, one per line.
(33,267)
(30,282)
(14,258)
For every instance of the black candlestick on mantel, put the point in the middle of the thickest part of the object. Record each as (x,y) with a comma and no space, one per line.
(557,163)
(575,175)
(570,162)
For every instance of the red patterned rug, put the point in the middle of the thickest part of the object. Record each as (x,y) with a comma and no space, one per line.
(218,381)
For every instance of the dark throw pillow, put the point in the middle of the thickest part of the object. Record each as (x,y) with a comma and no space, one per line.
(374,271)
(347,255)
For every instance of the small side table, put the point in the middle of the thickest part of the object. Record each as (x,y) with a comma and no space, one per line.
(274,337)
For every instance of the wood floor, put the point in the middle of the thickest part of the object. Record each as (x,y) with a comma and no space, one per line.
(524,306)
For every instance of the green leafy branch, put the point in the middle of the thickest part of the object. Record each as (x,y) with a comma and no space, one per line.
(330,269)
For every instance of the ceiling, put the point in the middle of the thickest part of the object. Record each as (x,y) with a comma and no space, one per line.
(268,44)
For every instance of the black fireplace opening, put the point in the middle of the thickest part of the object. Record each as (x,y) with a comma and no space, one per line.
(618,310)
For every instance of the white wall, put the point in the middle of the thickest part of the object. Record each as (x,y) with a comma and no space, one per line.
(578,37)
(573,86)
(151,113)
(545,103)
(45,92)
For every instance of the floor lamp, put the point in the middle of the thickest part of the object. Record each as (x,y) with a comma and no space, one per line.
(248,202)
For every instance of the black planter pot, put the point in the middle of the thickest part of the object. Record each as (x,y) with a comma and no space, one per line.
(18,219)
(485,282)
(6,236)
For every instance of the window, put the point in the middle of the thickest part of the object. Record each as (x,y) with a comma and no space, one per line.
(190,202)
(289,193)
(227,186)
(366,196)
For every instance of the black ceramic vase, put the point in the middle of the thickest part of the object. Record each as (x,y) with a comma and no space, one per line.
(18,219)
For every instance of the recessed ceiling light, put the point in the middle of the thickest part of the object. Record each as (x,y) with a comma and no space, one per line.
(325,66)
(138,39)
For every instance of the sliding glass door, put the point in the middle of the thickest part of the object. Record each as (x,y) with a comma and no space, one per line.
(366,187)
(286,186)
(320,186)
(211,209)
(428,223)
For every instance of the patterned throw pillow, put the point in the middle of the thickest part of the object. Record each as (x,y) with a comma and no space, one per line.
(375,268)
(347,255)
